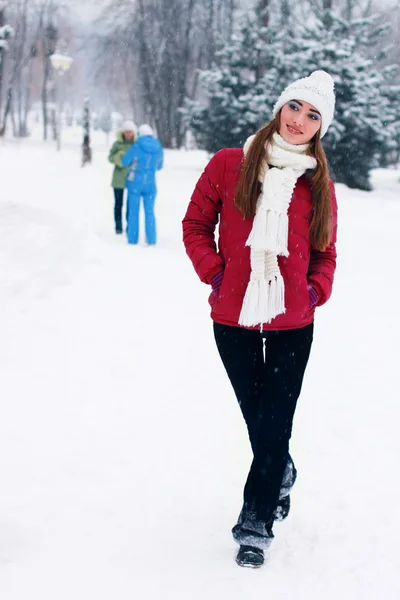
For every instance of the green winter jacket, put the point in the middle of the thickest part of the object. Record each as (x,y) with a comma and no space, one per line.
(118,149)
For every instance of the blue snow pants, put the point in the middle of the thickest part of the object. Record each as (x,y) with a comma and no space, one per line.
(148,194)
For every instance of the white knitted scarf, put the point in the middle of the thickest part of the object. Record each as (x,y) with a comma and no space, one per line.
(268,239)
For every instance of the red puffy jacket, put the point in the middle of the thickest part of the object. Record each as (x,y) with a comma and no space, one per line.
(213,200)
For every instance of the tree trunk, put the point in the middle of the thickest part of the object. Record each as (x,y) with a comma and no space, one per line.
(7,111)
(86,149)
(263,10)
(54,118)
(183,75)
(150,84)
(49,42)
(2,22)
(368,10)
(20,63)
(210,33)
(27,102)
(19,100)
(44,108)
(13,122)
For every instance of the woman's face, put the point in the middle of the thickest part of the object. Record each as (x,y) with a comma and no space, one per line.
(128,135)
(299,122)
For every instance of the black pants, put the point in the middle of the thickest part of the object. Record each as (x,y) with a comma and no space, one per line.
(266,371)
(119,200)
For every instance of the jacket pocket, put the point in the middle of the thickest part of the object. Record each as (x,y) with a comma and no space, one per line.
(214,296)
(309,310)
(213,299)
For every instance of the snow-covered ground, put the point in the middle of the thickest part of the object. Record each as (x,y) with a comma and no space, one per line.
(122,449)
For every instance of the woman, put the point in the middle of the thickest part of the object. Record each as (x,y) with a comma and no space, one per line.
(144,159)
(274,265)
(126,136)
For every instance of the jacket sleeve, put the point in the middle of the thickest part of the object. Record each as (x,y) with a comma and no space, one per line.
(322,266)
(127,159)
(160,162)
(112,155)
(201,218)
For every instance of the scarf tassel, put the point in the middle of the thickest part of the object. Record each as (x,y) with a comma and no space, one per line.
(269,232)
(263,301)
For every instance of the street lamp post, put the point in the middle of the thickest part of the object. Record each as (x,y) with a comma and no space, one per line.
(60,63)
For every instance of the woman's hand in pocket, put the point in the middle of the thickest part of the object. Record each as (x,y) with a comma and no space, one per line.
(312,297)
(215,282)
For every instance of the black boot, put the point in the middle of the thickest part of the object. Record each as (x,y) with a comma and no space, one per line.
(249,556)
(118,227)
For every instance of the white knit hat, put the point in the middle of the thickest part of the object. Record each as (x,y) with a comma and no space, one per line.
(317,89)
(128,126)
(145,130)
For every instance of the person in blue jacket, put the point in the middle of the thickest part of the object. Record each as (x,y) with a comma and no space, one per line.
(144,158)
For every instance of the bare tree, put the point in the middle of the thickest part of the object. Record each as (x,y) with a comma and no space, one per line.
(35,37)
(115,58)
(19,58)
(51,23)
(49,39)
(5,32)
(2,39)
(169,59)
(157,47)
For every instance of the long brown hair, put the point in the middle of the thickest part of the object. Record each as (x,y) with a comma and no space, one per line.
(248,189)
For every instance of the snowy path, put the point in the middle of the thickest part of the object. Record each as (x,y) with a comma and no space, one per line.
(122,451)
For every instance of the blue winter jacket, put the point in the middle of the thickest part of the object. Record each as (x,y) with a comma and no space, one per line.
(145,158)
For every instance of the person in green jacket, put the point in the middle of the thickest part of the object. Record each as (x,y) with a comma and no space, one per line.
(126,137)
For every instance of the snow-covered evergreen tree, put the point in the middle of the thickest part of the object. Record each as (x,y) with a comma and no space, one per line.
(363,134)
(259,63)
(237,98)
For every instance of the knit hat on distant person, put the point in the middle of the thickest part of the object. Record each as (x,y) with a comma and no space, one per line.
(145,130)
(317,89)
(129,126)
